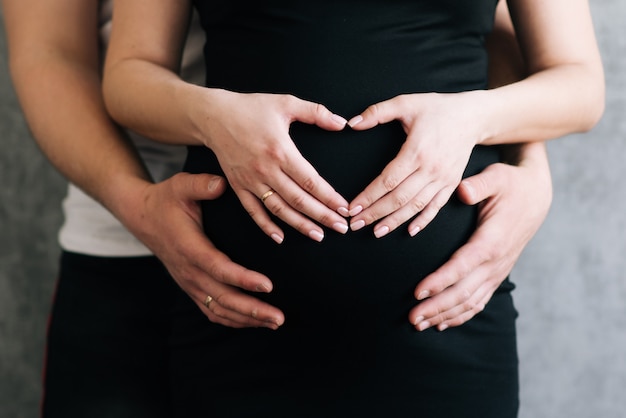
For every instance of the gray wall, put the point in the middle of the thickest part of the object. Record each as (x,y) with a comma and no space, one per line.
(571,287)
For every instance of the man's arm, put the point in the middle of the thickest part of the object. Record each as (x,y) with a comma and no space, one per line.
(54,59)
(461,288)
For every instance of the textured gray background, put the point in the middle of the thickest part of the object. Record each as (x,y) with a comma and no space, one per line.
(571,287)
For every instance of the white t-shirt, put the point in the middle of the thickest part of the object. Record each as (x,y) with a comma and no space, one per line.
(88,227)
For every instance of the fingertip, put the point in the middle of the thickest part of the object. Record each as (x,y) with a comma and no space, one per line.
(216,184)
(417,320)
(264,287)
(466,192)
(355,121)
(338,120)
(423,294)
(343,211)
(277,238)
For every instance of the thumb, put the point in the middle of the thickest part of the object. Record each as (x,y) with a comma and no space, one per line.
(317,114)
(199,186)
(479,187)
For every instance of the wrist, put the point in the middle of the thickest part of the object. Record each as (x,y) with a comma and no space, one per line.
(124,197)
(203,113)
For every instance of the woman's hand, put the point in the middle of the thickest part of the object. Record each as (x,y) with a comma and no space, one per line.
(249,134)
(441,130)
(196,265)
(461,288)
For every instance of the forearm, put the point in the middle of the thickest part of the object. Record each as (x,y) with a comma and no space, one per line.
(160,105)
(64,110)
(55,66)
(543,106)
(142,88)
(559,93)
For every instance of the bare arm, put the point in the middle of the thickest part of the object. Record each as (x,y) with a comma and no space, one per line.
(562,93)
(462,287)
(249,133)
(55,64)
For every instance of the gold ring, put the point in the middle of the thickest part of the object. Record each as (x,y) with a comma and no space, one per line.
(208,301)
(266,195)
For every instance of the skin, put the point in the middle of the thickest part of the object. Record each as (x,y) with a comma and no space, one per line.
(562,93)
(200,269)
(461,288)
(557,43)
(559,49)
(65,64)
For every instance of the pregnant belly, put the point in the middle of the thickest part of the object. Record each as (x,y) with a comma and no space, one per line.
(352,270)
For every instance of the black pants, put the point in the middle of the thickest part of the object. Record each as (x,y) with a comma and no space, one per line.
(107,347)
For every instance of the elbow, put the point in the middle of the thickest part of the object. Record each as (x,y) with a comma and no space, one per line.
(595,108)
(109,98)
(595,102)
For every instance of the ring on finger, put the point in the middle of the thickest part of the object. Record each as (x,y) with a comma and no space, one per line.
(266,195)
(208,301)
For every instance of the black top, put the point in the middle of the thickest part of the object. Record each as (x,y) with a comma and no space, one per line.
(347,348)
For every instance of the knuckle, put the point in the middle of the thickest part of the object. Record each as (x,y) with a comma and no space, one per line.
(464,265)
(400,200)
(288,100)
(275,207)
(465,296)
(434,168)
(325,219)
(253,212)
(374,110)
(298,202)
(259,169)
(275,152)
(310,184)
(390,182)
(418,205)
(320,110)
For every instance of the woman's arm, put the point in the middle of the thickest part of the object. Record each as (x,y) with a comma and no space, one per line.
(563,93)
(249,133)
(55,64)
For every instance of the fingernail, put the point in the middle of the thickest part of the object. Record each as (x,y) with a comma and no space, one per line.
(413,232)
(214,183)
(418,320)
(355,210)
(355,226)
(423,325)
(381,231)
(467,185)
(340,227)
(277,238)
(343,211)
(442,327)
(262,287)
(339,119)
(316,235)
(423,294)
(355,121)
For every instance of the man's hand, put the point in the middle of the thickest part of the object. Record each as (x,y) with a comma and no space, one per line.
(167,219)
(514,201)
